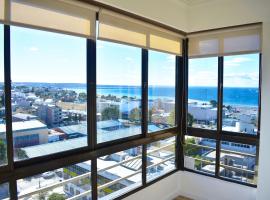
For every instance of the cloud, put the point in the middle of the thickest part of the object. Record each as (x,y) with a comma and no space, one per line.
(33,49)
(236,61)
(128,59)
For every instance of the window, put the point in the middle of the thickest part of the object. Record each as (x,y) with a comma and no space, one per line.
(161,91)
(160,158)
(200,154)
(239,76)
(118,91)
(241,94)
(3,143)
(238,162)
(119,172)
(58,184)
(202,93)
(4,191)
(49,98)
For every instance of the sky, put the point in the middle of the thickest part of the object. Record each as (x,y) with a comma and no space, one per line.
(39,56)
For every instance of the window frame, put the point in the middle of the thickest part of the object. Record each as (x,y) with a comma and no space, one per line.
(219,134)
(15,170)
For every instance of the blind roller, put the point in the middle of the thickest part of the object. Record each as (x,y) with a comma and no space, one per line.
(226,42)
(2,10)
(54,15)
(119,28)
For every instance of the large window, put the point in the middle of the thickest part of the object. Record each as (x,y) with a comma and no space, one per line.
(48,72)
(241,94)
(202,93)
(161,91)
(118,91)
(236,118)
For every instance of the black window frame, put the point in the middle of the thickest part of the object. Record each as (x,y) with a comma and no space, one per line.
(15,170)
(218,134)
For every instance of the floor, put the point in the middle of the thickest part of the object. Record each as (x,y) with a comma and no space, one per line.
(182,198)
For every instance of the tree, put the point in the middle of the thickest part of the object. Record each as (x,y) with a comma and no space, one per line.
(56,196)
(82,96)
(111,112)
(190,119)
(3,151)
(213,103)
(135,114)
(171,119)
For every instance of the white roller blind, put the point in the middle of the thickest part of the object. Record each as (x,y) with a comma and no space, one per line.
(226,42)
(2,10)
(119,28)
(54,15)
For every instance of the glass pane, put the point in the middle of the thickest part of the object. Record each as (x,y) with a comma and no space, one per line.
(241,93)
(202,93)
(200,154)
(161,91)
(119,173)
(48,71)
(160,158)
(118,91)
(71,181)
(3,143)
(4,191)
(238,162)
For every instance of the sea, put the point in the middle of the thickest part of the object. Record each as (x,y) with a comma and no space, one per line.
(231,95)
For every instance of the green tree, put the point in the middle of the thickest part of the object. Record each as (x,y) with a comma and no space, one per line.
(213,103)
(135,114)
(171,119)
(3,151)
(190,119)
(56,196)
(111,112)
(82,96)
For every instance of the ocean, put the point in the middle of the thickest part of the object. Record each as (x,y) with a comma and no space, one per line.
(231,96)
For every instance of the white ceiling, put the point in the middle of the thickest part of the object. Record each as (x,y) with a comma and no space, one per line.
(194,2)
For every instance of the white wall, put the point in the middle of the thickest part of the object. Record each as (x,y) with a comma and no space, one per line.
(199,187)
(166,189)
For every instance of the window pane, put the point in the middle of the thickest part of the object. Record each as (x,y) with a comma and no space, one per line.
(161,91)
(202,93)
(160,158)
(200,154)
(241,93)
(4,191)
(48,92)
(119,173)
(238,162)
(118,91)
(71,181)
(3,143)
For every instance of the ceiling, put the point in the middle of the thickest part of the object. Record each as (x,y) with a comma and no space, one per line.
(194,2)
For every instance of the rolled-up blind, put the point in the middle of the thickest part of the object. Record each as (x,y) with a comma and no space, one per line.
(232,41)
(54,15)
(123,29)
(2,10)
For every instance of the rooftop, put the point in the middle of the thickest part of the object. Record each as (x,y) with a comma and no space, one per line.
(24,125)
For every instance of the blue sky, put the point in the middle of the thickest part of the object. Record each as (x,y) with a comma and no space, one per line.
(39,56)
